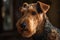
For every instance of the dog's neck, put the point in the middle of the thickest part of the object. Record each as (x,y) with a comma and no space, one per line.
(43,35)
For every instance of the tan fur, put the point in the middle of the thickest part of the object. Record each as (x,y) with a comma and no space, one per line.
(53,35)
(32,21)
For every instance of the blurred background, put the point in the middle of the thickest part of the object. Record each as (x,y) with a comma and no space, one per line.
(9,14)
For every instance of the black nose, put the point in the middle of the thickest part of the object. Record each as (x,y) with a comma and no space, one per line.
(23,25)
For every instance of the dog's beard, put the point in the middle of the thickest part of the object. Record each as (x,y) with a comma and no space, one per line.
(34,27)
(31,28)
(41,27)
(35,24)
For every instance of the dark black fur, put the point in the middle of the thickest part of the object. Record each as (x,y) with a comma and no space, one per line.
(38,7)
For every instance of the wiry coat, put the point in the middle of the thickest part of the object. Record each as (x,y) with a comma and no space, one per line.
(34,24)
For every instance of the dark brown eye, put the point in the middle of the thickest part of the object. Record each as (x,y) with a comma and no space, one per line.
(33,13)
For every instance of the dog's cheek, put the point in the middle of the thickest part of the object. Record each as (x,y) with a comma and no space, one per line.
(31,28)
(33,25)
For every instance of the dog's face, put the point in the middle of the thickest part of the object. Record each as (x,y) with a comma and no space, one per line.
(32,18)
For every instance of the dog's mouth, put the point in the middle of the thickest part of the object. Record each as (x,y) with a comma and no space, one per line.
(25,33)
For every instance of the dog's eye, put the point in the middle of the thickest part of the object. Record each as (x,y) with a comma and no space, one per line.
(33,13)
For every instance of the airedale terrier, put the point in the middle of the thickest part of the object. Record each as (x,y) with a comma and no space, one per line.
(32,23)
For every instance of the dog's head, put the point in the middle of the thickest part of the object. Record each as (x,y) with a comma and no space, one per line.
(32,18)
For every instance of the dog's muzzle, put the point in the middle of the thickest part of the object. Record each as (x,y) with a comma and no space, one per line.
(23,26)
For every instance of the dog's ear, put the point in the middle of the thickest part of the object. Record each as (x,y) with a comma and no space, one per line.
(25,4)
(42,7)
(38,7)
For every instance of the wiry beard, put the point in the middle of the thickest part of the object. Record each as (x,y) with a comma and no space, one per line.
(41,26)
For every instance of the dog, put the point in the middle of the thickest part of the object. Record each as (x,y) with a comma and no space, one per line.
(33,20)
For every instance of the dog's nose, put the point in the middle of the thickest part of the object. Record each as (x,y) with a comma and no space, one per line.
(23,25)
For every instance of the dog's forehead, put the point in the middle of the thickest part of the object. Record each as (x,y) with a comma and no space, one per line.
(29,6)
(33,5)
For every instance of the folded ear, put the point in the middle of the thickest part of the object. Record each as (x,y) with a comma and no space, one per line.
(44,6)
(38,7)
(25,4)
